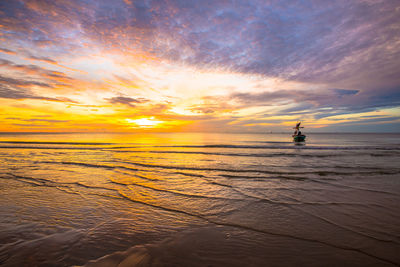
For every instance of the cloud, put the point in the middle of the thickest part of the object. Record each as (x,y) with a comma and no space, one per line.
(22,83)
(7,51)
(6,92)
(44,59)
(308,98)
(318,103)
(12,88)
(51,77)
(344,55)
(126,100)
(10,93)
(38,120)
(265,98)
(45,120)
(303,41)
(345,92)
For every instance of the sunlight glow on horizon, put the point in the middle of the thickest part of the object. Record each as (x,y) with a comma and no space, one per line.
(144,122)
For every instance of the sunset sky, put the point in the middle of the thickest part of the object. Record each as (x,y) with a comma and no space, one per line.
(189,65)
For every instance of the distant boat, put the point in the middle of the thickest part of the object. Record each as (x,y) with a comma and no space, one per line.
(298,136)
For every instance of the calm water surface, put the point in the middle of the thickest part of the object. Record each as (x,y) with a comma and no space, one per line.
(199,200)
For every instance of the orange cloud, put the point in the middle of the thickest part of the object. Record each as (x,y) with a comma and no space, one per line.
(7,51)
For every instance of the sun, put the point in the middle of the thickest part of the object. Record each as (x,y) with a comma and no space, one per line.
(144,122)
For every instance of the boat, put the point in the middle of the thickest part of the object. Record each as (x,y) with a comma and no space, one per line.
(298,136)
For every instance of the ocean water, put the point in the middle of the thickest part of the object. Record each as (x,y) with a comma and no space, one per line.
(199,200)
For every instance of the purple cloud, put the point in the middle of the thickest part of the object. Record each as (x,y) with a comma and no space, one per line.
(299,40)
(126,100)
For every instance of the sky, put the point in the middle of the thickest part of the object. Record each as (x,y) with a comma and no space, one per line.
(189,65)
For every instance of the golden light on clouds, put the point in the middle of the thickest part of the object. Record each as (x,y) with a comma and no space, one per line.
(87,69)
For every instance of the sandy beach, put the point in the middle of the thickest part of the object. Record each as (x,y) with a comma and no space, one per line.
(227,200)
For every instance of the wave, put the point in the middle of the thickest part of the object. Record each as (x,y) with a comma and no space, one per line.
(356,231)
(317,172)
(370,153)
(269,155)
(51,148)
(78,164)
(173,192)
(269,142)
(355,187)
(55,143)
(211,219)
(67,187)
(169,167)
(363,150)
(229,174)
(47,182)
(293,146)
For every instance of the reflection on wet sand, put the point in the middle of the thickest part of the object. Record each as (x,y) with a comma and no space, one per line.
(198,200)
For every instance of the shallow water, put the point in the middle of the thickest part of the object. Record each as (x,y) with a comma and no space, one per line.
(199,200)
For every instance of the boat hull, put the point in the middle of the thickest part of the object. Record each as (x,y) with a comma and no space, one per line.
(299,138)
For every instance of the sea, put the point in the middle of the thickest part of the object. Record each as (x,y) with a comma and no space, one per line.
(199,199)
